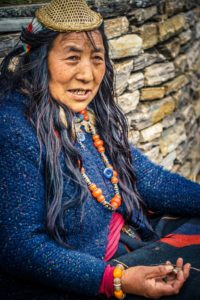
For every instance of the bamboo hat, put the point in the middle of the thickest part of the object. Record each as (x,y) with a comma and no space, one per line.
(68,15)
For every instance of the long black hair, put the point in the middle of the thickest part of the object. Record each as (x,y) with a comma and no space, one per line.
(30,76)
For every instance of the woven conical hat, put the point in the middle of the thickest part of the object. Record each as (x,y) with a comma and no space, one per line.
(68,15)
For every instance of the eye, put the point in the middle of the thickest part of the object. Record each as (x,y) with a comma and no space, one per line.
(98,58)
(73,58)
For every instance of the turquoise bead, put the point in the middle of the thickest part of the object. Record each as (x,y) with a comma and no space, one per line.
(108,173)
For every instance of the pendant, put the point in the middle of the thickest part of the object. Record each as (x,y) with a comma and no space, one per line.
(80,137)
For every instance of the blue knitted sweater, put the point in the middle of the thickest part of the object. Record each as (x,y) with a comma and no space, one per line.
(32,265)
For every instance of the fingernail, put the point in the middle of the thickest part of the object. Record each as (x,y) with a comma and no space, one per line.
(169,268)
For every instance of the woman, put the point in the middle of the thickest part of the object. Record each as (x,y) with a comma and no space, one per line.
(75,196)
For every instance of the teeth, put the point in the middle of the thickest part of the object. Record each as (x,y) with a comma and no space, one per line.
(79,92)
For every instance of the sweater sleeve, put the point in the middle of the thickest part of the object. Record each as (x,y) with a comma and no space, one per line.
(26,249)
(164,191)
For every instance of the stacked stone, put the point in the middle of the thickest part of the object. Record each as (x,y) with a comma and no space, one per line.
(155,50)
(156,56)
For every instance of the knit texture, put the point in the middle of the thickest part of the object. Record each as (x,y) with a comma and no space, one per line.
(34,266)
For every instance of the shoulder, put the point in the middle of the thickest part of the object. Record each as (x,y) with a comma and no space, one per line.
(14,125)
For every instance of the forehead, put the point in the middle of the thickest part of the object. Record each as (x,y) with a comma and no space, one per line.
(81,39)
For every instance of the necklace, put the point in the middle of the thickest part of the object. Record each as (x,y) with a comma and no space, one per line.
(109,172)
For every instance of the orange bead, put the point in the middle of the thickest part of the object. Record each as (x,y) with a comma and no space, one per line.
(83,112)
(86,117)
(117,273)
(117,196)
(96,137)
(114,179)
(92,187)
(101,149)
(119,294)
(117,199)
(115,205)
(98,143)
(115,173)
(101,198)
(97,193)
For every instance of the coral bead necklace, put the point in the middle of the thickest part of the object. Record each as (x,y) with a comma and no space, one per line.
(109,171)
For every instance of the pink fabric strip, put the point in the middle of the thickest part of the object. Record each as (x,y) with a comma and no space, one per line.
(116,224)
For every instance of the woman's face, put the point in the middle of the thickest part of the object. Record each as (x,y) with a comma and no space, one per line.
(76,68)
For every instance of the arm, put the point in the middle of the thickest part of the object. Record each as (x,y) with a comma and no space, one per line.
(26,249)
(164,191)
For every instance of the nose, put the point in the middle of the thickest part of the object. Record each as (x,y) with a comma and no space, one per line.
(85,72)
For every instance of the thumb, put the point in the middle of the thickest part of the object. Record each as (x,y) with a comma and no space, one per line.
(159,271)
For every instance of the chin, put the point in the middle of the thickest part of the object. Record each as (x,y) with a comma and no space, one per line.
(79,107)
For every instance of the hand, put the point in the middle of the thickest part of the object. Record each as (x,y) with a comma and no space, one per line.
(155,282)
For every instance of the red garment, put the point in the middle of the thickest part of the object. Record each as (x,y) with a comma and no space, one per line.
(116,224)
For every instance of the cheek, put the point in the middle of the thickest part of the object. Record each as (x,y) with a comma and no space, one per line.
(100,75)
(57,71)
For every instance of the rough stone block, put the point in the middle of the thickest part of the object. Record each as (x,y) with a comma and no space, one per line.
(180,63)
(182,152)
(168,161)
(176,84)
(116,27)
(134,136)
(125,46)
(169,121)
(159,73)
(154,154)
(149,35)
(144,147)
(170,50)
(139,16)
(136,81)
(172,137)
(146,59)
(193,54)
(172,26)
(162,108)
(129,101)
(152,93)
(149,113)
(122,72)
(173,6)
(185,36)
(151,133)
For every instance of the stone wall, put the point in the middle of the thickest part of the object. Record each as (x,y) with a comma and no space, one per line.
(155,49)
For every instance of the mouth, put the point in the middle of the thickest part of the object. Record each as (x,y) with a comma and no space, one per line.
(79,94)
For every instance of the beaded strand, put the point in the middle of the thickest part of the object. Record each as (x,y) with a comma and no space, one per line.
(109,171)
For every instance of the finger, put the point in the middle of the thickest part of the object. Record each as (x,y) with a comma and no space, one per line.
(178,283)
(168,262)
(186,270)
(179,263)
(159,271)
